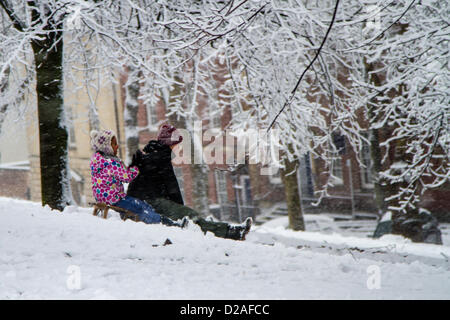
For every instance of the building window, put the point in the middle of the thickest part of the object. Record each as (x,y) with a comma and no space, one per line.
(337,176)
(305,176)
(221,186)
(152,117)
(246,190)
(337,173)
(339,143)
(366,170)
(71,128)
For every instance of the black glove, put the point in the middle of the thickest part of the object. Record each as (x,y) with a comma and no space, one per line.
(137,159)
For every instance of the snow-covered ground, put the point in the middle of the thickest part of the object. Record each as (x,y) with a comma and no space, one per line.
(73,255)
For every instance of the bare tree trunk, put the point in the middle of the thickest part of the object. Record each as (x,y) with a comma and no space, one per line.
(291,188)
(200,188)
(53,135)
(388,193)
(375,149)
(3,106)
(376,157)
(131,111)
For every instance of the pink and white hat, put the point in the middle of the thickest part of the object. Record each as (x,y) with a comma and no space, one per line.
(101,141)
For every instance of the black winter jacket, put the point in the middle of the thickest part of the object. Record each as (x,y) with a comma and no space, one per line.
(156,177)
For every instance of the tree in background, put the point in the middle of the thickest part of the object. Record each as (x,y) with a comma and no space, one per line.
(39,26)
(281,73)
(400,78)
(393,70)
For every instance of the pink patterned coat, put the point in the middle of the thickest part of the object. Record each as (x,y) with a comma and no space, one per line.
(108,176)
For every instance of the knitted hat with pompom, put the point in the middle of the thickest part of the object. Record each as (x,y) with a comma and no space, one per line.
(101,141)
(166,135)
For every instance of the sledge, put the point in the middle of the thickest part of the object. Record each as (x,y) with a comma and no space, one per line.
(104,208)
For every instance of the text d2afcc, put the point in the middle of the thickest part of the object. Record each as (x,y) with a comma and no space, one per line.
(210,311)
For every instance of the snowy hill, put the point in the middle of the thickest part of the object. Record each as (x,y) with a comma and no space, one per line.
(73,255)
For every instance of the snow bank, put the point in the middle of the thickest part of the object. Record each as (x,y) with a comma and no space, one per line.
(395,243)
(72,255)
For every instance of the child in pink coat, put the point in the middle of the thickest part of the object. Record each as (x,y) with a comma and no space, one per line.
(109,173)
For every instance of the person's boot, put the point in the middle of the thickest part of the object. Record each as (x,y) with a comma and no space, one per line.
(238,232)
(183,223)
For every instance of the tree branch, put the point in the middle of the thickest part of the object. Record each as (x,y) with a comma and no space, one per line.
(16,21)
(289,101)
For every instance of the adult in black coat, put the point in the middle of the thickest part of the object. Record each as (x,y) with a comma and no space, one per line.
(157,185)
(156,177)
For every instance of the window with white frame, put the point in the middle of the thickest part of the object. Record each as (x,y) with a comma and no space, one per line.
(366,169)
(246,190)
(71,127)
(337,173)
(336,160)
(152,117)
(221,186)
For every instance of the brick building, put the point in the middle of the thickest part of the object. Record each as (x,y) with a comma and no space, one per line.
(231,196)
